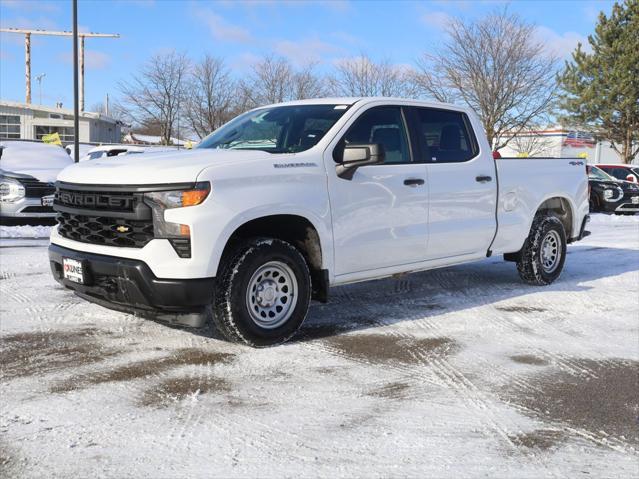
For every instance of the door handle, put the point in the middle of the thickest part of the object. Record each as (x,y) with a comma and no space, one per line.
(413,182)
(483,179)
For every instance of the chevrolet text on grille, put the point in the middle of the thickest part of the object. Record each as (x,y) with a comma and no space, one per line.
(93,200)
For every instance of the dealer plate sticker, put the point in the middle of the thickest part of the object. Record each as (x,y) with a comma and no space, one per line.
(47,200)
(72,270)
(635,200)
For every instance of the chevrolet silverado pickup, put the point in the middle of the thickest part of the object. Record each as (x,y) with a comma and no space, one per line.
(285,201)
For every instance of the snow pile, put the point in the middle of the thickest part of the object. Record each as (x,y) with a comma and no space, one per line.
(25,231)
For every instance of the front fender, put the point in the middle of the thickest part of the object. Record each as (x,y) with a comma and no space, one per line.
(321,223)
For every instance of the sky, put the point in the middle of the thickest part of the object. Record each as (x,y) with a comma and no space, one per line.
(243,31)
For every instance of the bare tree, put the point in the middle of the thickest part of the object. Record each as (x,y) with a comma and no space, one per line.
(154,96)
(495,66)
(211,94)
(274,80)
(98,108)
(307,83)
(361,76)
(269,82)
(531,143)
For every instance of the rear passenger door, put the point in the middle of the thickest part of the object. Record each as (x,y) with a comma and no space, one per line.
(462,184)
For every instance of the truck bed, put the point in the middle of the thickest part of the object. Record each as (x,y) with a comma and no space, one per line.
(525,183)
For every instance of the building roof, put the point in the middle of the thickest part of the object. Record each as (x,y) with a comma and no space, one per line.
(61,111)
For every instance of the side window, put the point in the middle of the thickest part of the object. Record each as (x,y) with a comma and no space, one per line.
(445,136)
(383,125)
(619,173)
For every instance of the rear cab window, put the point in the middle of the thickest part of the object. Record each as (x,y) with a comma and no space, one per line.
(443,136)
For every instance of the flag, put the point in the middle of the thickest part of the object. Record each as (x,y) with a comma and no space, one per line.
(52,139)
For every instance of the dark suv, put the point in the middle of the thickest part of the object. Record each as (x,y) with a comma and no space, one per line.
(608,194)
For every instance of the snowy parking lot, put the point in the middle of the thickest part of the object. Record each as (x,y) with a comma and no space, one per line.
(459,372)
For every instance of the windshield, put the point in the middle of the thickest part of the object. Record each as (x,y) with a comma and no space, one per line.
(280,129)
(599,174)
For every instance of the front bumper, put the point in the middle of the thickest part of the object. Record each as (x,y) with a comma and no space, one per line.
(26,208)
(129,285)
(627,206)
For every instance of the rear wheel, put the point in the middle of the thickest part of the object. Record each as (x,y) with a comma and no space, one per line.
(542,258)
(263,293)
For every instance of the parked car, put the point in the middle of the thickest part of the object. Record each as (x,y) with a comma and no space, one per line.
(287,200)
(28,171)
(622,172)
(83,148)
(610,195)
(107,151)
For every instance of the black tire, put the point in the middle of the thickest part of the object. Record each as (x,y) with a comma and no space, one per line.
(531,263)
(232,316)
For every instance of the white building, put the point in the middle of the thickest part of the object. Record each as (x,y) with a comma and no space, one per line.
(21,121)
(560,142)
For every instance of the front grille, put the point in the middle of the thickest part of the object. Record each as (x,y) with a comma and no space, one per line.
(104,230)
(36,189)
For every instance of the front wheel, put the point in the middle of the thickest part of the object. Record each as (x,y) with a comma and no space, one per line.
(263,293)
(544,253)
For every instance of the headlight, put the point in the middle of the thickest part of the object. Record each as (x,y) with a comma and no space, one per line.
(159,201)
(612,194)
(11,190)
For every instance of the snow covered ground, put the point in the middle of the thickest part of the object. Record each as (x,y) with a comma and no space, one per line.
(459,372)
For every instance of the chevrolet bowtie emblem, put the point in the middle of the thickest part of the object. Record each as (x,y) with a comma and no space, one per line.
(122,229)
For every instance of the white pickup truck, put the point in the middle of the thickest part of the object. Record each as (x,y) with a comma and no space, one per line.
(284,201)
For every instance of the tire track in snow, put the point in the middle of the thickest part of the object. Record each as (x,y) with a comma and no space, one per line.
(14,295)
(456,381)
(601,439)
(451,378)
(565,363)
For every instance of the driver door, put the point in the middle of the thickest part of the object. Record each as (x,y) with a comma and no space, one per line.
(380,216)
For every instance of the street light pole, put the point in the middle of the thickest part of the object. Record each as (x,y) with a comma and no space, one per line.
(39,80)
(76,106)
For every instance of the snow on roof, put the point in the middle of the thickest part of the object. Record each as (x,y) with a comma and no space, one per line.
(60,111)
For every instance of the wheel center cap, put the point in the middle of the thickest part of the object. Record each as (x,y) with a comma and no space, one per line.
(267,293)
(547,250)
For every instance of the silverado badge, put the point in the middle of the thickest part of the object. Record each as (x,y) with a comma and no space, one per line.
(122,229)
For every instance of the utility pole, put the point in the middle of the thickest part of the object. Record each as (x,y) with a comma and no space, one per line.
(27,51)
(27,61)
(76,109)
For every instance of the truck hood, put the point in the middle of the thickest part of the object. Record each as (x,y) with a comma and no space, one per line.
(46,175)
(156,168)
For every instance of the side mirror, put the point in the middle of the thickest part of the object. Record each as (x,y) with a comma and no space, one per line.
(354,156)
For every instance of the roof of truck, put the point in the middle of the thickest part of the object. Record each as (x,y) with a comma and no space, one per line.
(364,99)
